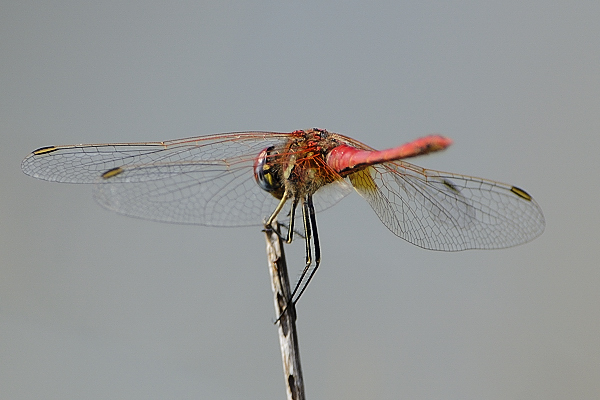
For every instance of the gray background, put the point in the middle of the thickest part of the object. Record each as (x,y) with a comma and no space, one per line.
(95,305)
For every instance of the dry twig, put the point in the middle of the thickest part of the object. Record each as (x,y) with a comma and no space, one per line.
(286,314)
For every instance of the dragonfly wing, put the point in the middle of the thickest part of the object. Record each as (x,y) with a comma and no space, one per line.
(204,193)
(331,194)
(443,211)
(206,180)
(85,163)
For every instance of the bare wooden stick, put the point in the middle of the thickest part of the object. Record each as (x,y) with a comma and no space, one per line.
(286,312)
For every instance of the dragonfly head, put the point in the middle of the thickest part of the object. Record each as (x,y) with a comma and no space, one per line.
(267,174)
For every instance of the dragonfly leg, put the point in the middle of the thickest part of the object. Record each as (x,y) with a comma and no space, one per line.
(296,231)
(310,226)
(313,222)
(290,235)
(284,198)
(307,236)
(315,233)
(273,216)
(307,231)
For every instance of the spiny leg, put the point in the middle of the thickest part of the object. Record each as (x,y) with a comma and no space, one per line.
(315,233)
(307,231)
(284,198)
(296,231)
(307,237)
(313,222)
(273,216)
(290,235)
(310,227)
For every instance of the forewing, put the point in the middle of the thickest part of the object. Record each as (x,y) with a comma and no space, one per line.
(85,163)
(443,211)
(206,180)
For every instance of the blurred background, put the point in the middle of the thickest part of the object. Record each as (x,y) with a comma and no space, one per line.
(95,305)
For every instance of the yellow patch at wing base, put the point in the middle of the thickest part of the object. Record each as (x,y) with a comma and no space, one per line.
(363,180)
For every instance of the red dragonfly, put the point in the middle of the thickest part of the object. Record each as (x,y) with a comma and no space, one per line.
(237,179)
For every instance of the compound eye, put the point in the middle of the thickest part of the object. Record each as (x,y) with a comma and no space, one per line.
(265,174)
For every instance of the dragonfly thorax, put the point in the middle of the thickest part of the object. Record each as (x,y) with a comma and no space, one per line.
(298,168)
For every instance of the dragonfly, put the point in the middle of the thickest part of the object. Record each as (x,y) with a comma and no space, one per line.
(238,179)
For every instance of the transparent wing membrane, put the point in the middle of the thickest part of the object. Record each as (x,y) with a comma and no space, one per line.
(87,162)
(450,212)
(196,193)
